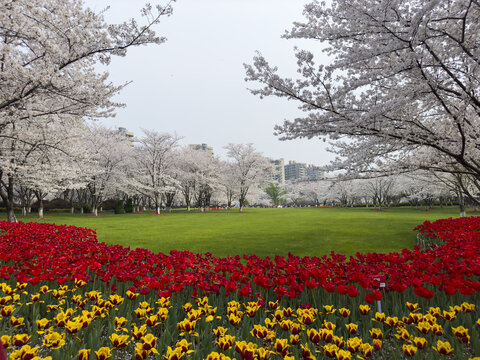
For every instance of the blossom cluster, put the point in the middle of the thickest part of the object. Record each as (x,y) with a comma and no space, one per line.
(34,252)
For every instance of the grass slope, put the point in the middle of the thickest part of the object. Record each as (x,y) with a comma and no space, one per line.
(265,232)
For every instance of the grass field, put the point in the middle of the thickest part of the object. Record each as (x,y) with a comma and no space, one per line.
(265,232)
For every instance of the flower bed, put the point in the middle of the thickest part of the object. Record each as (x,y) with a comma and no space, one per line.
(33,252)
(79,321)
(49,269)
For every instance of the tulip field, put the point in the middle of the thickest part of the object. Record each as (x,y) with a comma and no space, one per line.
(65,295)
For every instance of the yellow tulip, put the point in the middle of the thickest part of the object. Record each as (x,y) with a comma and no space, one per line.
(17,322)
(294,339)
(270,324)
(140,353)
(20,339)
(7,310)
(54,340)
(412,307)
(72,327)
(149,342)
(5,340)
(84,354)
(26,352)
(344,355)
(137,333)
(330,350)
(119,341)
(380,317)
(120,322)
(131,295)
(328,325)
(185,345)
(466,307)
(328,309)
(263,354)
(376,333)
(443,348)
(175,354)
(449,315)
(420,342)
(220,331)
(424,327)
(225,342)
(402,334)
(364,309)
(409,350)
(391,321)
(281,346)
(116,299)
(216,356)
(352,328)
(163,302)
(354,344)
(103,353)
(367,349)
(377,344)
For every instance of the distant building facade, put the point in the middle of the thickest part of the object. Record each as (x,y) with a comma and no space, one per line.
(201,147)
(301,171)
(295,170)
(278,169)
(315,173)
(128,135)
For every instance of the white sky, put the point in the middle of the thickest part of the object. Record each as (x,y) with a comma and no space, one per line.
(194,83)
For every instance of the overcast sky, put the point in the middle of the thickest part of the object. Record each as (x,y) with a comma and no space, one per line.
(194,83)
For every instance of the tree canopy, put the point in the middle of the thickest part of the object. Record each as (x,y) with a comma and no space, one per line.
(401,90)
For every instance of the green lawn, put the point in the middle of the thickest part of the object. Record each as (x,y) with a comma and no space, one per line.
(265,232)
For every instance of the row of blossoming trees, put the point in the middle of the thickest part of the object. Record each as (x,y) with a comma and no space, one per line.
(153,171)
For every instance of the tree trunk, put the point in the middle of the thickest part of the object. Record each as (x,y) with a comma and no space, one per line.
(11,214)
(24,211)
(40,208)
(461,202)
(94,210)
(188,208)
(461,205)
(7,197)
(72,210)
(241,208)
(157,210)
(81,210)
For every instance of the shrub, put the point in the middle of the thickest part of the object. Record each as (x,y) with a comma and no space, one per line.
(129,206)
(119,208)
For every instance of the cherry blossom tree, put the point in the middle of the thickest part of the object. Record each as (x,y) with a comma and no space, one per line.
(48,56)
(108,158)
(317,192)
(403,76)
(199,173)
(155,159)
(250,168)
(227,182)
(40,165)
(380,190)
